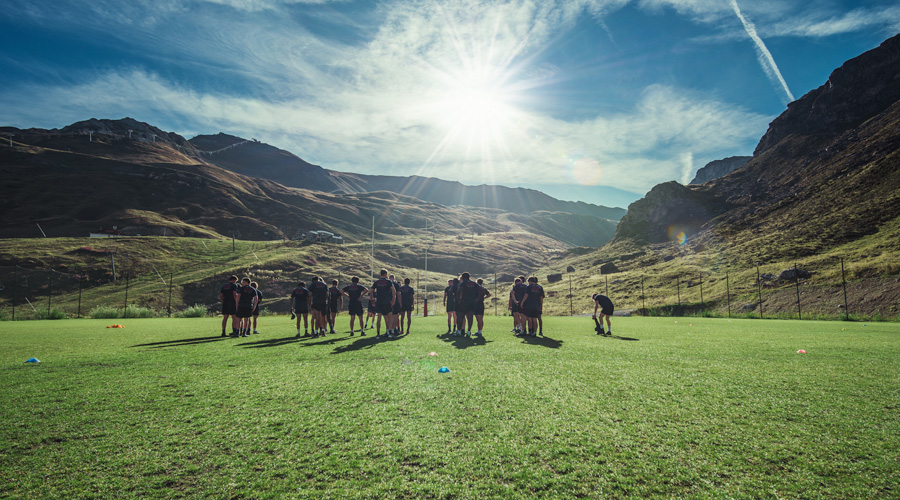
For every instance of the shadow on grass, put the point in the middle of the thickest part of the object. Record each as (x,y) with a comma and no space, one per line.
(179,342)
(271,342)
(366,342)
(463,342)
(630,339)
(542,341)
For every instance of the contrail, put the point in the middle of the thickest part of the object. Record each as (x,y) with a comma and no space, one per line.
(765,57)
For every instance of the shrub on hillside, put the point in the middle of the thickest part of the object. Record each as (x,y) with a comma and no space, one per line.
(194,311)
(105,312)
(53,313)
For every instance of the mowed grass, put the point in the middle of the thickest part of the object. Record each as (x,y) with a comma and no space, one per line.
(701,408)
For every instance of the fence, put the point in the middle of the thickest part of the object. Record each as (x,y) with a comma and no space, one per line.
(833,290)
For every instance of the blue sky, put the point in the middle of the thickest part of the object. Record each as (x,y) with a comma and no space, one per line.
(592,100)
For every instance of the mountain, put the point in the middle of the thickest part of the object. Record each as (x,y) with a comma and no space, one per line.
(826,172)
(719,168)
(256,159)
(128,174)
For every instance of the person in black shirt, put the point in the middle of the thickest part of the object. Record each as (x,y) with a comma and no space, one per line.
(370,317)
(533,304)
(515,297)
(384,294)
(229,306)
(395,309)
(467,292)
(407,296)
(606,309)
(335,303)
(450,305)
(300,300)
(259,298)
(353,292)
(479,306)
(319,292)
(246,302)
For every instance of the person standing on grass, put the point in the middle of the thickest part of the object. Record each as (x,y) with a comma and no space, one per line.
(516,295)
(479,305)
(319,292)
(354,292)
(259,298)
(466,294)
(407,297)
(450,306)
(532,305)
(246,303)
(229,307)
(300,301)
(335,303)
(606,307)
(384,294)
(395,310)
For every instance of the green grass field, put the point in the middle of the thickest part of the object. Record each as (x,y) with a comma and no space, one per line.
(701,408)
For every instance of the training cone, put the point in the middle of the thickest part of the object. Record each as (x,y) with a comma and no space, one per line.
(432,354)
(443,369)
(801,351)
(33,360)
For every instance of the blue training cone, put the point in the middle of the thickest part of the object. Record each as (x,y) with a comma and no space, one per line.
(444,369)
(33,360)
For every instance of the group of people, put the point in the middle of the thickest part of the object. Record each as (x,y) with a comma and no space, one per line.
(388,300)
(393,302)
(241,303)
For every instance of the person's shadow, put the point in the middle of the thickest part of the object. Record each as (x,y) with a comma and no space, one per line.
(180,342)
(461,342)
(542,341)
(366,342)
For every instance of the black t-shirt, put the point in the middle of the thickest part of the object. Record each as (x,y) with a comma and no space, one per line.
(383,288)
(534,292)
(319,292)
(604,301)
(519,291)
(228,290)
(258,296)
(468,292)
(334,295)
(300,295)
(451,295)
(354,292)
(246,295)
(406,295)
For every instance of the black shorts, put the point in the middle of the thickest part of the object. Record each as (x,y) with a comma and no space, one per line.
(256,311)
(302,309)
(608,311)
(355,309)
(407,308)
(532,313)
(383,308)
(333,307)
(515,308)
(465,307)
(371,308)
(451,307)
(396,308)
(229,309)
(479,309)
(244,311)
(320,306)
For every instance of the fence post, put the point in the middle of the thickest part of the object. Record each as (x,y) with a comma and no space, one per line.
(844,282)
(170,294)
(496,298)
(125,310)
(701,293)
(797,275)
(728,294)
(15,289)
(571,310)
(49,290)
(607,286)
(643,302)
(80,281)
(759,291)
(678,288)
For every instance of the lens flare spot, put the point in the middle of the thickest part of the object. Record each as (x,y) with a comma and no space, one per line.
(677,235)
(586,171)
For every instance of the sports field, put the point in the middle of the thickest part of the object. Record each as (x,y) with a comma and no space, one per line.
(698,408)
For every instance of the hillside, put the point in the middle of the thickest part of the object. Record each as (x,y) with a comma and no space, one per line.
(257,159)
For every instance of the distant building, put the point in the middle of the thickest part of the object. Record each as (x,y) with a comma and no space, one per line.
(324,237)
(107,233)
